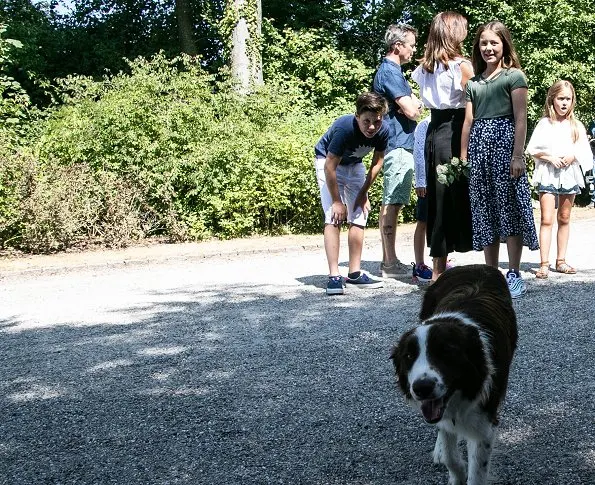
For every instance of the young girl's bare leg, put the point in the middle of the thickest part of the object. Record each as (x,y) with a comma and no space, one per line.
(419,242)
(439,267)
(514,245)
(491,254)
(547,204)
(564,208)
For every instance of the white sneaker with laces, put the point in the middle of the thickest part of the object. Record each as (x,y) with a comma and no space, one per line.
(516,285)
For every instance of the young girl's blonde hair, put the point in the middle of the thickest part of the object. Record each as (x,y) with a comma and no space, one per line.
(447,32)
(509,56)
(550,112)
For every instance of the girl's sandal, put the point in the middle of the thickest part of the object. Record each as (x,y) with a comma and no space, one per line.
(544,269)
(563,267)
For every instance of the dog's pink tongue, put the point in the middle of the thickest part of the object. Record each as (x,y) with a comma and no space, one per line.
(432,410)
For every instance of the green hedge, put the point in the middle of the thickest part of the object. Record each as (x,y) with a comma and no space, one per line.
(166,150)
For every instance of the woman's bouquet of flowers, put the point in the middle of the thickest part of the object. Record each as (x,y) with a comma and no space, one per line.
(455,169)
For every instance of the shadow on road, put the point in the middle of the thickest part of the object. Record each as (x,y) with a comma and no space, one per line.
(254,385)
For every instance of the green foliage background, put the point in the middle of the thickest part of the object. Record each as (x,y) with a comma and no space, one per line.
(96,148)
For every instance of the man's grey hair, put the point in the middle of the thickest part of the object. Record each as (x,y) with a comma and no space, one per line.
(396,33)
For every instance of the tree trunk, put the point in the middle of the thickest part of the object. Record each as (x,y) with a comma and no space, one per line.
(246,59)
(185,27)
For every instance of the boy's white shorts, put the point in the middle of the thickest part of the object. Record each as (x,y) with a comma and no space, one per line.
(350,179)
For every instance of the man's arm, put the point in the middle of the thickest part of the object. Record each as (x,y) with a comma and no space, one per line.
(410,106)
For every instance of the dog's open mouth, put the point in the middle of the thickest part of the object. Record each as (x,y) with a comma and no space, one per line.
(433,409)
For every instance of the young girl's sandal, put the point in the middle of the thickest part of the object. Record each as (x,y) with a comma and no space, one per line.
(544,269)
(563,267)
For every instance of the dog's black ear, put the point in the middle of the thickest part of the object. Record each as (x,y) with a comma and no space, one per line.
(393,353)
(393,357)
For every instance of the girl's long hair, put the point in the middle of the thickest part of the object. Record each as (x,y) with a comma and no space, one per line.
(509,56)
(447,32)
(549,111)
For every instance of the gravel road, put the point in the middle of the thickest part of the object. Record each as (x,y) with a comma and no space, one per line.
(225,363)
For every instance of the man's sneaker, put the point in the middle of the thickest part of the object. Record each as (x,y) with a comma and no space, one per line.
(516,285)
(364,281)
(335,285)
(395,270)
(421,273)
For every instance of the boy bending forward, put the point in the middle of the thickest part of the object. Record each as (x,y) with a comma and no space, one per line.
(344,184)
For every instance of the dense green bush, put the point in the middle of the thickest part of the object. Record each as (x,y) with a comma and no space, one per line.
(327,76)
(168,149)
(15,104)
(165,150)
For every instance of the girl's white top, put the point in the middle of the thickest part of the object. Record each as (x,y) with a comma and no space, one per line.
(419,159)
(442,88)
(554,138)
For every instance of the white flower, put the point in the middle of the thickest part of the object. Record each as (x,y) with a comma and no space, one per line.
(453,170)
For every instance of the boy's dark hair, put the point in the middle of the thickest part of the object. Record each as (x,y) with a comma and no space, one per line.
(373,102)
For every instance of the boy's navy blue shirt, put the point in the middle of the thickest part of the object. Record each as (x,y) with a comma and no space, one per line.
(390,82)
(345,140)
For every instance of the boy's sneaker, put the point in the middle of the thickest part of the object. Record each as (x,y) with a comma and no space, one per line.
(364,281)
(516,285)
(335,285)
(421,273)
(395,270)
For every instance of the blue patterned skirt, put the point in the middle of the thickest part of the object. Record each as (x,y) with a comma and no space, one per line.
(500,205)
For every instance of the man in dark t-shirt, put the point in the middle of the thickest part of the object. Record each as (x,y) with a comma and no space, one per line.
(344,185)
(403,111)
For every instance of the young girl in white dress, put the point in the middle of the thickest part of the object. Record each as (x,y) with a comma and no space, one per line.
(560,147)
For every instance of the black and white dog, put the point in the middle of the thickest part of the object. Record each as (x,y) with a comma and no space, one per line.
(454,366)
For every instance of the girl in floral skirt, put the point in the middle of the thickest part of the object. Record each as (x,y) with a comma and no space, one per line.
(493,139)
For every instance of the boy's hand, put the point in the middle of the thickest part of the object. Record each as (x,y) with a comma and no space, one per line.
(338,213)
(420,191)
(362,201)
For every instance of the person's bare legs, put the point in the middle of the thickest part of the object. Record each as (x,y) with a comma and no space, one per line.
(439,267)
(491,254)
(355,241)
(514,244)
(389,215)
(564,208)
(419,242)
(332,235)
(547,205)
